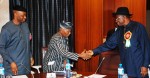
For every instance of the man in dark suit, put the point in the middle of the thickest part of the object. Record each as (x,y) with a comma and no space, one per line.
(133,43)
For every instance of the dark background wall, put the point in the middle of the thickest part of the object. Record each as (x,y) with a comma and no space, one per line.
(43,17)
(148,17)
(148,4)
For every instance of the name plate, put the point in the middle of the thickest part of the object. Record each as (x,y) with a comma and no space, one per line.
(51,75)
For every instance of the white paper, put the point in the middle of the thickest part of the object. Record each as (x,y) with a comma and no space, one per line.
(96,76)
(20,76)
(51,62)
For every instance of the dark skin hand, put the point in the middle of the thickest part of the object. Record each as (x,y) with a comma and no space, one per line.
(14,68)
(144,71)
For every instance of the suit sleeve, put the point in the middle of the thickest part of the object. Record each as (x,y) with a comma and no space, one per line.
(4,39)
(109,44)
(145,45)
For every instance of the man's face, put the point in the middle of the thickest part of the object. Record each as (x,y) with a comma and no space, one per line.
(20,16)
(120,20)
(67,32)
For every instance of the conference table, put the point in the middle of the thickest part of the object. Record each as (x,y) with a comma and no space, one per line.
(43,75)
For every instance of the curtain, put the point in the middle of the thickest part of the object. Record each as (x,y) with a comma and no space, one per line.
(43,17)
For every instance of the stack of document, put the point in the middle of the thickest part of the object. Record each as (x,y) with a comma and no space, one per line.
(96,76)
(20,76)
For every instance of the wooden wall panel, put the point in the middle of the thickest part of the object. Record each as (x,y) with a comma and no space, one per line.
(136,7)
(139,11)
(108,19)
(88,30)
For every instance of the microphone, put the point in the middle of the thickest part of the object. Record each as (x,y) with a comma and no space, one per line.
(27,69)
(100,64)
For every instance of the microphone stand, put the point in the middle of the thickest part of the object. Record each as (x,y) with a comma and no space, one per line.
(27,70)
(100,65)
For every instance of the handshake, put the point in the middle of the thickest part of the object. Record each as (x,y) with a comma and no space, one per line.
(86,54)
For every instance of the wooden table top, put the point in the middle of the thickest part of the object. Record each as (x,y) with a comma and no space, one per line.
(43,75)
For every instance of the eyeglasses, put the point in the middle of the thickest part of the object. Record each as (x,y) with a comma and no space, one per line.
(119,17)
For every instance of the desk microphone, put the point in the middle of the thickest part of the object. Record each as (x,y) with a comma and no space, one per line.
(100,64)
(27,69)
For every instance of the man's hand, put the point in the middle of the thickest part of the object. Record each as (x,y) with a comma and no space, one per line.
(85,55)
(14,68)
(144,71)
(64,63)
(32,61)
(89,52)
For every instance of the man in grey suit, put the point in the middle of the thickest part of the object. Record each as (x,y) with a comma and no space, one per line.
(15,44)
